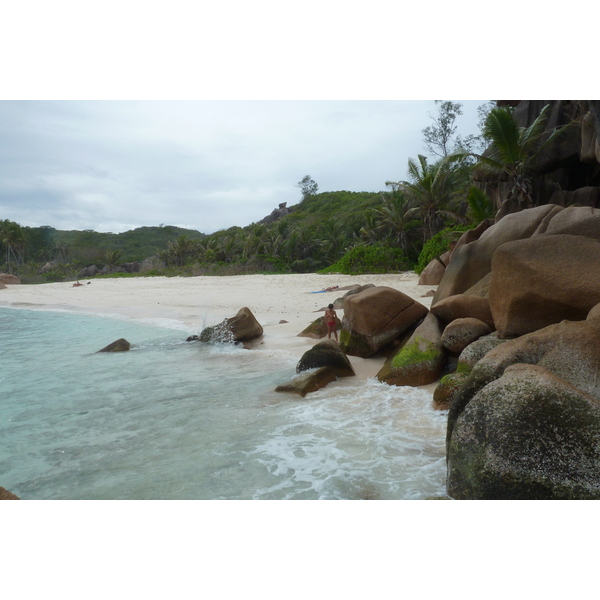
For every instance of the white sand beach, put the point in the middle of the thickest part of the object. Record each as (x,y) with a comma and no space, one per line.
(196,302)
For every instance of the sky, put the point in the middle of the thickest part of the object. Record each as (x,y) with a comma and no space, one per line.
(112,166)
(117,115)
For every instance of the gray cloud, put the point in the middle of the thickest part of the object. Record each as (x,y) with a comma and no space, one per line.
(206,165)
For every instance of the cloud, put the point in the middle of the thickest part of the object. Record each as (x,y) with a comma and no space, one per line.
(206,165)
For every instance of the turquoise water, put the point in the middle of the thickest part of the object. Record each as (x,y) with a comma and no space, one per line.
(177,420)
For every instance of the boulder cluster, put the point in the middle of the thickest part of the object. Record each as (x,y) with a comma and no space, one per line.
(519,312)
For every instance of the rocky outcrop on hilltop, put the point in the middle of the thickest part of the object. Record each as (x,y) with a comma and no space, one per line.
(277,213)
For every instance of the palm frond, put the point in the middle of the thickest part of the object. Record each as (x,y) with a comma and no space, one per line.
(502,130)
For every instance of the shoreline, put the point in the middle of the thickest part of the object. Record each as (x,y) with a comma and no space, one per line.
(197,302)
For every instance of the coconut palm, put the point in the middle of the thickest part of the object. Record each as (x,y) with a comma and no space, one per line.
(13,237)
(394,219)
(480,206)
(516,154)
(331,239)
(432,190)
(112,258)
(180,250)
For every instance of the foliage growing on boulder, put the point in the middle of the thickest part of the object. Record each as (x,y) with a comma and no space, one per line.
(439,244)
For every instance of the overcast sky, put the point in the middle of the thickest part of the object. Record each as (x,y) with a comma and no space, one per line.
(205,165)
(244,99)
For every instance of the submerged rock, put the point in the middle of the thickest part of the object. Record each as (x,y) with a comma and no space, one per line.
(120,345)
(326,354)
(308,381)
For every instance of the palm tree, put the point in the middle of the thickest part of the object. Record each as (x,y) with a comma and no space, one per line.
(332,239)
(480,206)
(180,250)
(395,218)
(432,190)
(112,258)
(13,236)
(516,154)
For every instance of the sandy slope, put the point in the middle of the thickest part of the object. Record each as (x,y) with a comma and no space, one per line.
(197,302)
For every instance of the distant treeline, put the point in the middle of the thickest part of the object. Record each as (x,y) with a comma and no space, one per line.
(402,228)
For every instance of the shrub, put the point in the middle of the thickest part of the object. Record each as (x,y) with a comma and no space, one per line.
(438,244)
(370,259)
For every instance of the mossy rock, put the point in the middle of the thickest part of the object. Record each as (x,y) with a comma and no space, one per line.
(355,344)
(447,389)
(419,362)
(528,435)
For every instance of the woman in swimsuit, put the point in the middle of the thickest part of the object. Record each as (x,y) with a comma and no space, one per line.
(330,318)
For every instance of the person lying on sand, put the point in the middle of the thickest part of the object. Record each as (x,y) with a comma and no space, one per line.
(330,317)
(77,284)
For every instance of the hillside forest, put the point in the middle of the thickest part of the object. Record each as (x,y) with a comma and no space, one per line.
(522,157)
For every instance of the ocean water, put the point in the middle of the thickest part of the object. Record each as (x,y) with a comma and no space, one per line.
(177,420)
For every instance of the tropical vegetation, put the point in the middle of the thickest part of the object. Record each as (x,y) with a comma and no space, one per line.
(404,227)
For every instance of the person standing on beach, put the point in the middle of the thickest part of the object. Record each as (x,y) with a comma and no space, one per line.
(330,318)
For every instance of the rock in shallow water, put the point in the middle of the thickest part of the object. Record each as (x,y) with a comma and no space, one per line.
(120,345)
(308,381)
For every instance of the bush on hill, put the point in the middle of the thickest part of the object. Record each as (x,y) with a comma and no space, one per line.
(376,258)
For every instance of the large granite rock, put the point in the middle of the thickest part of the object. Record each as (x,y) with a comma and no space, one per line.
(241,328)
(528,435)
(432,274)
(326,354)
(462,306)
(543,280)
(577,220)
(375,317)
(473,234)
(551,397)
(421,360)
(471,262)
